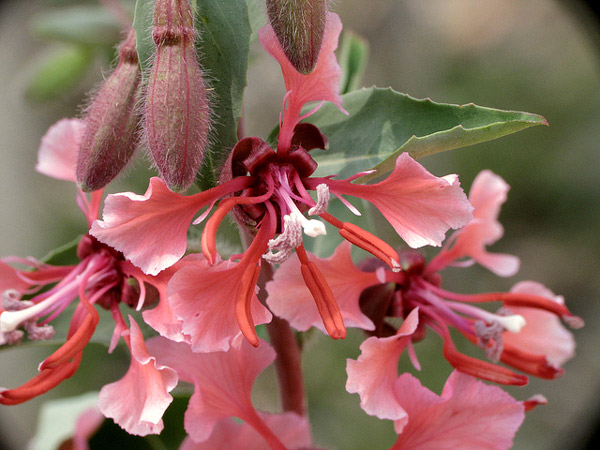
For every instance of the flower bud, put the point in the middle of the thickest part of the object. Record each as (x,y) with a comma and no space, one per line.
(177,109)
(299,26)
(111,123)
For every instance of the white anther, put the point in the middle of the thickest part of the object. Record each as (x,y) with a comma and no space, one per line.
(513,323)
(314,228)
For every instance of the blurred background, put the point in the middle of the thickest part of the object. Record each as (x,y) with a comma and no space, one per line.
(540,56)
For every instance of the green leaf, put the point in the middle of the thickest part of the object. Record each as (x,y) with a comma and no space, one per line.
(142,24)
(88,25)
(64,255)
(59,72)
(383,123)
(257,16)
(223,47)
(354,54)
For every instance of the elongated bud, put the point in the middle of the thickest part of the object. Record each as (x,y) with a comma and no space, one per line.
(177,110)
(111,123)
(299,26)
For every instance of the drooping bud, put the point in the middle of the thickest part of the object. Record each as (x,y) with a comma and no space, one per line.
(111,123)
(299,26)
(177,109)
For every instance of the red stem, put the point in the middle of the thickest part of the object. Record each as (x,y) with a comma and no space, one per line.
(288,364)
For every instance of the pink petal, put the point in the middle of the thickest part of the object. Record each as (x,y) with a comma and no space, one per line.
(150,229)
(161,317)
(323,83)
(57,156)
(291,429)
(469,415)
(374,373)
(86,426)
(203,298)
(487,195)
(290,299)
(420,206)
(544,333)
(9,279)
(138,400)
(222,381)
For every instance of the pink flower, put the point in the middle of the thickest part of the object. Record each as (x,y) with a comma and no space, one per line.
(138,400)
(86,426)
(469,415)
(290,428)
(101,277)
(543,334)
(222,386)
(525,333)
(487,194)
(289,297)
(374,374)
(268,192)
(213,327)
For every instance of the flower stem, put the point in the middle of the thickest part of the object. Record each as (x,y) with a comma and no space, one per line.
(288,364)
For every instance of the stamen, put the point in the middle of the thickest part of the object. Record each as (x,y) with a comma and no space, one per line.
(243,304)
(321,293)
(285,242)
(323,197)
(40,384)
(39,333)
(490,339)
(312,227)
(208,241)
(11,301)
(534,401)
(251,271)
(349,205)
(79,339)
(513,323)
(366,241)
(481,369)
(531,363)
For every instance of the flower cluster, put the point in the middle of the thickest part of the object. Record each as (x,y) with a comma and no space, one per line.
(206,308)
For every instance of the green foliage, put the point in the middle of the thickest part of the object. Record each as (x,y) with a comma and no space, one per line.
(223,48)
(65,412)
(88,25)
(142,24)
(64,255)
(354,55)
(60,72)
(383,123)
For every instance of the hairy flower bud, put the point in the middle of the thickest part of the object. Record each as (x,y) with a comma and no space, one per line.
(299,26)
(177,109)
(111,123)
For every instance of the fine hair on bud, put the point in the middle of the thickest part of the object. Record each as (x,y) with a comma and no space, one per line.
(299,26)
(111,122)
(177,110)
